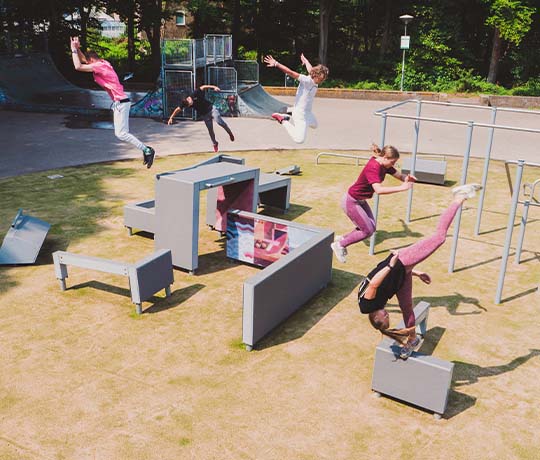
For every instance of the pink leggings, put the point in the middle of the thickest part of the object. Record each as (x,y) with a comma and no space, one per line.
(416,253)
(361,216)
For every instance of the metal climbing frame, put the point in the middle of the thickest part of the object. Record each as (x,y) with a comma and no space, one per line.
(179,56)
(383,113)
(511,219)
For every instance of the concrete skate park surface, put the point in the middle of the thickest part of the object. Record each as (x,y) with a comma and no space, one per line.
(36,141)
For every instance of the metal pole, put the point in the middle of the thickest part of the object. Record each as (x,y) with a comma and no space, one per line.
(402,71)
(463,180)
(376,199)
(509,229)
(413,159)
(485,173)
(524,216)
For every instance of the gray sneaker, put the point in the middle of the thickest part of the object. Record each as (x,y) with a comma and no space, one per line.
(340,253)
(469,190)
(409,347)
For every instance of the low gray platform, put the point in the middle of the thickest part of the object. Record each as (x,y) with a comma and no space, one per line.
(428,171)
(146,276)
(23,240)
(421,380)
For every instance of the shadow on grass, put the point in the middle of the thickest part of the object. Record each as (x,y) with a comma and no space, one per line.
(158,303)
(342,284)
(73,205)
(382,235)
(468,374)
(452,303)
(520,294)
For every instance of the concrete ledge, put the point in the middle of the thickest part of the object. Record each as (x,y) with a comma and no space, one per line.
(515,102)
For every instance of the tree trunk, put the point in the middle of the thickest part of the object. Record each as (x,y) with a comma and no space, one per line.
(495,57)
(324,21)
(385,40)
(131,40)
(235,28)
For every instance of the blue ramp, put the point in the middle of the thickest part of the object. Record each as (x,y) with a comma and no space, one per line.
(254,101)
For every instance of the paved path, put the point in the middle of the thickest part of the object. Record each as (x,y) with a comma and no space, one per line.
(36,142)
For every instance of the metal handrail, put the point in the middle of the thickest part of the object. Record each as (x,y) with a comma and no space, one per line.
(344,155)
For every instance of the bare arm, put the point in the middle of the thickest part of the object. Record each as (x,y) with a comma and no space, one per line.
(175,111)
(382,190)
(379,277)
(423,276)
(79,61)
(404,177)
(306,63)
(271,62)
(213,87)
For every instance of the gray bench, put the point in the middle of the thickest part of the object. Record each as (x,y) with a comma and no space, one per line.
(146,277)
(428,171)
(422,380)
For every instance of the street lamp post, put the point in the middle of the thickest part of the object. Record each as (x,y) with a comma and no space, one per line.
(405,40)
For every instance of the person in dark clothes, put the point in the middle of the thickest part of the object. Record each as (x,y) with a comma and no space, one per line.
(206,111)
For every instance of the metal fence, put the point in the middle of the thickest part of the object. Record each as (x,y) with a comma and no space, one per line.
(177,84)
(223,77)
(218,47)
(247,72)
(177,52)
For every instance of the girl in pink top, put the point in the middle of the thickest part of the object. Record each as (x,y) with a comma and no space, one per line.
(106,77)
(354,202)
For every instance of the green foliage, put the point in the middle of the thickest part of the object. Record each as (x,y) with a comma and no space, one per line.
(531,88)
(512,18)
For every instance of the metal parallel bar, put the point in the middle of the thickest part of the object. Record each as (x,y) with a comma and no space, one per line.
(376,199)
(413,160)
(525,163)
(522,225)
(344,155)
(509,230)
(463,180)
(460,122)
(483,107)
(393,106)
(485,173)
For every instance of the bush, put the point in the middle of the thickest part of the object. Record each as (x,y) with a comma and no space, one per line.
(531,88)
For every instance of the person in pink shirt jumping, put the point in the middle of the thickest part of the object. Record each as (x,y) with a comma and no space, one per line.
(106,77)
(369,181)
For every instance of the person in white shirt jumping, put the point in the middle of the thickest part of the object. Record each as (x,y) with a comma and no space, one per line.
(302,115)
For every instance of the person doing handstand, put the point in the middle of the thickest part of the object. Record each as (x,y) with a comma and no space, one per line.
(106,77)
(354,202)
(393,276)
(302,114)
(205,110)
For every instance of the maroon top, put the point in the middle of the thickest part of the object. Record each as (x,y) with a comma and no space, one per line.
(373,173)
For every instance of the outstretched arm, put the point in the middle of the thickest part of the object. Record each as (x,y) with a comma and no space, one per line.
(175,111)
(306,63)
(379,277)
(382,190)
(79,61)
(271,62)
(423,276)
(404,177)
(213,87)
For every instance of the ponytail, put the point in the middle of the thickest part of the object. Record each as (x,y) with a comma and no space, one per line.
(388,151)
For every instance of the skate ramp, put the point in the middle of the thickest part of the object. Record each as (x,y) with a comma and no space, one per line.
(254,101)
(32,82)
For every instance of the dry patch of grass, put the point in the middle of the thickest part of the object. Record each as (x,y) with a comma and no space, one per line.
(83,377)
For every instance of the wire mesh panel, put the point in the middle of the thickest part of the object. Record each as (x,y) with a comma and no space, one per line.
(218,47)
(177,84)
(247,72)
(177,52)
(224,78)
(200,52)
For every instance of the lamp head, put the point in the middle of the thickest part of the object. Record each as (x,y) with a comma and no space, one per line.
(406,18)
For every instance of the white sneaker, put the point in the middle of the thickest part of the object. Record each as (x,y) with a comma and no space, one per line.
(469,190)
(339,238)
(340,253)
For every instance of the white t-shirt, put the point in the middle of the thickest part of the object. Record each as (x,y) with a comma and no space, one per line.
(305,94)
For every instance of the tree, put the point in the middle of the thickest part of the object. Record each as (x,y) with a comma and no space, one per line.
(325,11)
(511,20)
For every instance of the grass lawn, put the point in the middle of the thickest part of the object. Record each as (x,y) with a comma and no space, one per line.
(83,377)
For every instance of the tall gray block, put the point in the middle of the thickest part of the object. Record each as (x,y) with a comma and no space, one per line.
(422,380)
